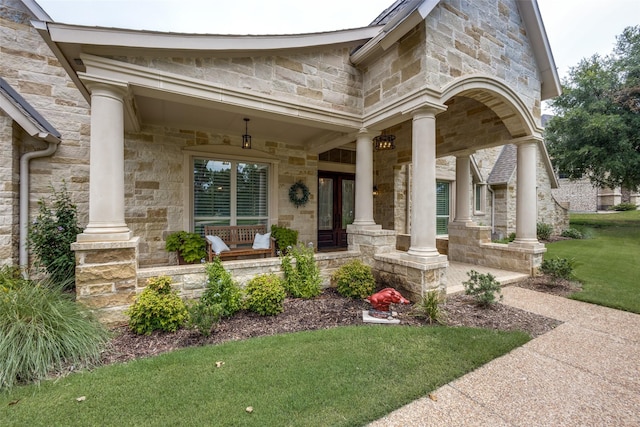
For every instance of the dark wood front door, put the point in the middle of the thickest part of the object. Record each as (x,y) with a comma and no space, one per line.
(336,207)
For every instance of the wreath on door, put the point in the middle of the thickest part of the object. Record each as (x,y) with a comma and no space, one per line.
(299,194)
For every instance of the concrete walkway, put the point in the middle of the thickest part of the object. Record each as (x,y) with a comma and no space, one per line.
(586,372)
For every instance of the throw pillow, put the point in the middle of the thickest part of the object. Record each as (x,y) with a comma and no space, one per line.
(262,241)
(217,244)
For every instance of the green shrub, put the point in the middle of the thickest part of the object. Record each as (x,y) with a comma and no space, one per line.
(558,268)
(544,231)
(285,237)
(354,280)
(301,280)
(158,307)
(265,295)
(190,246)
(11,278)
(202,316)
(624,207)
(429,307)
(51,235)
(43,330)
(510,238)
(221,289)
(482,287)
(572,233)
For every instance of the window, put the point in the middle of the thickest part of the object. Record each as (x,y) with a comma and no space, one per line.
(442,207)
(229,193)
(479,198)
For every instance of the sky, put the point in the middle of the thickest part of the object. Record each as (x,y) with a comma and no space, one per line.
(576,29)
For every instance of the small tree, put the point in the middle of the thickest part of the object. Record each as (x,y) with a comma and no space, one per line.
(51,235)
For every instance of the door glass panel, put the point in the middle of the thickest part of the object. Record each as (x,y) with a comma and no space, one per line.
(325,204)
(348,201)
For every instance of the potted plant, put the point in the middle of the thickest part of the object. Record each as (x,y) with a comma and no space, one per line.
(191,247)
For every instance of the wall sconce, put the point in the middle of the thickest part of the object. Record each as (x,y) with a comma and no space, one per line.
(246,138)
(375,191)
(384,141)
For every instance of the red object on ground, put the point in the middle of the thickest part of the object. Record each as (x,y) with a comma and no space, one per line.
(381,300)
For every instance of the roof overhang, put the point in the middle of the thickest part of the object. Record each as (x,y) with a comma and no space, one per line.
(25,115)
(534,26)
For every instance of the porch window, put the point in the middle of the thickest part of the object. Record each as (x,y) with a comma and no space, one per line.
(479,198)
(442,207)
(229,192)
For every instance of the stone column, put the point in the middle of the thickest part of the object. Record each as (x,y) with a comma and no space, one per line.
(423,184)
(106,187)
(463,185)
(526,200)
(364,180)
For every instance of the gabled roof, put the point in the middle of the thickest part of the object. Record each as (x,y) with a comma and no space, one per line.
(25,115)
(504,167)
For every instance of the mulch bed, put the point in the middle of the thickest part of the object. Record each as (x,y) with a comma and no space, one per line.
(327,311)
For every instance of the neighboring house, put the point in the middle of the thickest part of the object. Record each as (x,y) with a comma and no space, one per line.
(151,128)
(580,195)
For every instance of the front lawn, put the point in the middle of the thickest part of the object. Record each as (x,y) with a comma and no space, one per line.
(608,261)
(343,376)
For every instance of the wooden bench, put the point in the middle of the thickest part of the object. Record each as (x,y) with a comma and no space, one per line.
(239,238)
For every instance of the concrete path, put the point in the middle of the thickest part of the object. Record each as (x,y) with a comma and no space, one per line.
(586,372)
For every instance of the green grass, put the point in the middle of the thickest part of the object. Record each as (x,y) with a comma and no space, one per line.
(338,377)
(608,261)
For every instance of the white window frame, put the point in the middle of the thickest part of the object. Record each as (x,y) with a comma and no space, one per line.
(482,187)
(232,154)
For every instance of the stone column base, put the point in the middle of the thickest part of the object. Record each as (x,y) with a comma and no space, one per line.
(106,277)
(412,276)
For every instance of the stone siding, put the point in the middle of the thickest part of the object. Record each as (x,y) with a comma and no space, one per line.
(325,79)
(34,72)
(458,38)
(581,195)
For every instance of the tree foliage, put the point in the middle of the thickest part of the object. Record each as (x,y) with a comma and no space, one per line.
(596,129)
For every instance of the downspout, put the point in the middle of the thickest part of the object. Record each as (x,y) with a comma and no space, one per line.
(24,195)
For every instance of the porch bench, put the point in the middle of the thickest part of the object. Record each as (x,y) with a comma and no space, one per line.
(239,239)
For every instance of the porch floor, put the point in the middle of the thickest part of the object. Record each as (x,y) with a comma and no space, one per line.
(457,273)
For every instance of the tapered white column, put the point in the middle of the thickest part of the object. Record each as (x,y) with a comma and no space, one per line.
(423,184)
(463,186)
(526,200)
(364,180)
(106,173)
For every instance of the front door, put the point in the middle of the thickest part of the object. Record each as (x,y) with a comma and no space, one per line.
(336,206)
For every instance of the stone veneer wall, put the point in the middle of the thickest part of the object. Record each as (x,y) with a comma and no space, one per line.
(111,281)
(323,79)
(581,195)
(449,45)
(28,65)
(8,194)
(154,189)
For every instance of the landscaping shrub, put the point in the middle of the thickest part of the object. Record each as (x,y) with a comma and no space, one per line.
(482,287)
(302,279)
(354,280)
(202,317)
(558,268)
(265,295)
(429,307)
(285,237)
(43,330)
(572,233)
(51,235)
(158,307)
(624,207)
(510,238)
(544,231)
(190,246)
(221,289)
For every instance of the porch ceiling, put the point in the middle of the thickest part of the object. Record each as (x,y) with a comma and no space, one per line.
(160,112)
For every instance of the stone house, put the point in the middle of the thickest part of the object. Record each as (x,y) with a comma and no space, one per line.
(138,118)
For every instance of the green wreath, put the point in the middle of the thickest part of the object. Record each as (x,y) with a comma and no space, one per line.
(299,194)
